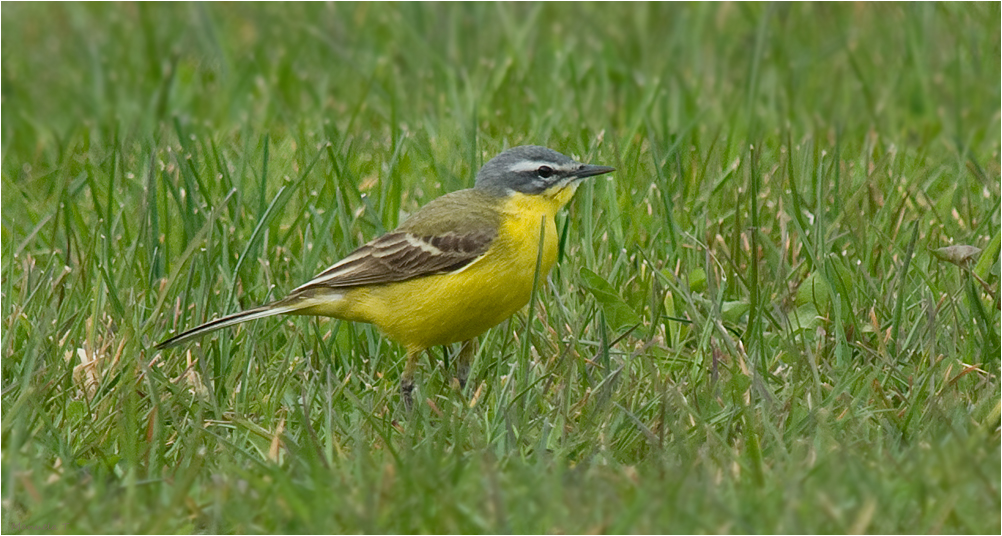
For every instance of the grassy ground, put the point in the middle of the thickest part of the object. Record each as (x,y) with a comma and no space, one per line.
(751,327)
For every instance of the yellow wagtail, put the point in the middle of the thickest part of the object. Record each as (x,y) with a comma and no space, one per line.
(455,268)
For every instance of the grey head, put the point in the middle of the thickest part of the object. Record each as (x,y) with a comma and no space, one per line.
(531,169)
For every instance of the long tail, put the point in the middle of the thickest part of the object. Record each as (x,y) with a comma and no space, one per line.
(275,308)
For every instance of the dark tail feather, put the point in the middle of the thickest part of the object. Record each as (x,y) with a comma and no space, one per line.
(271,309)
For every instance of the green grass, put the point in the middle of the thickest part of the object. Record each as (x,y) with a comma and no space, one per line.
(747,330)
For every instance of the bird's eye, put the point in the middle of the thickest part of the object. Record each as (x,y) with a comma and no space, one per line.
(545,171)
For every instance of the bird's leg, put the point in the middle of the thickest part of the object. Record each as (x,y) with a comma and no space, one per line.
(407,380)
(465,360)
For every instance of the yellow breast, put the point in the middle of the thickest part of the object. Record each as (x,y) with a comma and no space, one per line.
(447,308)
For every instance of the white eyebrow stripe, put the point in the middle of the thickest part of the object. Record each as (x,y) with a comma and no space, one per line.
(533,165)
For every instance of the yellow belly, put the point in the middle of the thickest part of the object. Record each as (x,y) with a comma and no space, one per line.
(447,308)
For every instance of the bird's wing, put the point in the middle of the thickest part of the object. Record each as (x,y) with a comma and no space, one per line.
(400,255)
(446,235)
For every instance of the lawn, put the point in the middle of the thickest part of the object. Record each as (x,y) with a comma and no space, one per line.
(780,314)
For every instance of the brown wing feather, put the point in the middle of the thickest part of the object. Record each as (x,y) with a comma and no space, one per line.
(399,256)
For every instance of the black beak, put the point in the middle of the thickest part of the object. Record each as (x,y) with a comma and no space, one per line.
(589,170)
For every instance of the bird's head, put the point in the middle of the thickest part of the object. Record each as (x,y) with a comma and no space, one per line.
(533,170)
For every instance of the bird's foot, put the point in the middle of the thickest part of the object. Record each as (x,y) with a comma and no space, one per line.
(406,393)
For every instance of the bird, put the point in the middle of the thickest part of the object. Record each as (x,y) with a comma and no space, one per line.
(460,265)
